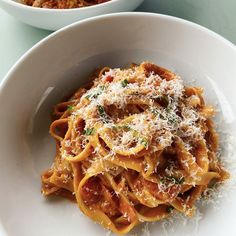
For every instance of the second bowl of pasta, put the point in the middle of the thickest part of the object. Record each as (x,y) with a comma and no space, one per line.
(54,14)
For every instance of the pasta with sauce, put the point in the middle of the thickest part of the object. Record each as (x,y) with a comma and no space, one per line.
(135,146)
(62,4)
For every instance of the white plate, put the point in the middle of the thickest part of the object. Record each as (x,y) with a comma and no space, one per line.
(62,62)
(54,19)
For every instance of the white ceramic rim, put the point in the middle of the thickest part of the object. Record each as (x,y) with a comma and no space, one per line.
(79,9)
(111,15)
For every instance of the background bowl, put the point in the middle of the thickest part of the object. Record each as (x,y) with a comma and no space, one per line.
(62,62)
(54,19)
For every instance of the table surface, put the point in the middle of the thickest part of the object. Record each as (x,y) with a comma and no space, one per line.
(16,38)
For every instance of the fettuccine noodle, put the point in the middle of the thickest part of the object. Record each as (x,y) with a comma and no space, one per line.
(135,146)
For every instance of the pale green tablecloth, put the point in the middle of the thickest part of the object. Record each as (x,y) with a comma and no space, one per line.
(218,15)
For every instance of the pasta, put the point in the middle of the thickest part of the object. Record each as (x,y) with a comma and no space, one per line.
(134,146)
(62,4)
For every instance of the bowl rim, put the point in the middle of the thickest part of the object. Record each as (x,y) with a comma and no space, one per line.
(49,10)
(18,63)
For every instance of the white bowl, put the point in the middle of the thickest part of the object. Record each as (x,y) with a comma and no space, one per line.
(62,62)
(54,19)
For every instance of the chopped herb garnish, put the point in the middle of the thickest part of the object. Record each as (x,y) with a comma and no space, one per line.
(95,94)
(175,179)
(102,113)
(115,127)
(70,107)
(144,142)
(124,127)
(124,83)
(181,180)
(161,116)
(156,112)
(171,116)
(169,209)
(101,110)
(169,109)
(162,100)
(172,119)
(88,131)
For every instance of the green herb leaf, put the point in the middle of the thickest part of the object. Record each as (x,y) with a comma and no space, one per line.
(88,131)
(168,109)
(162,100)
(70,107)
(102,113)
(156,113)
(169,209)
(161,116)
(175,179)
(124,83)
(126,128)
(181,180)
(101,110)
(114,127)
(95,94)
(172,119)
(144,142)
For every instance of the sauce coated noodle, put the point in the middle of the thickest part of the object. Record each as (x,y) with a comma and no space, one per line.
(134,147)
